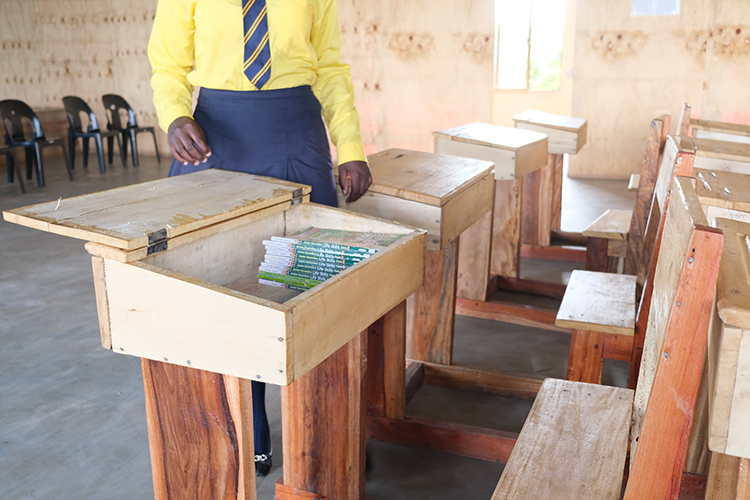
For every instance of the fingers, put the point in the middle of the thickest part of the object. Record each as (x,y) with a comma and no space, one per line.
(344,179)
(359,178)
(187,142)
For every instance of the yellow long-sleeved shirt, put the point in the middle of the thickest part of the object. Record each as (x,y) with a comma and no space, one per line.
(200,43)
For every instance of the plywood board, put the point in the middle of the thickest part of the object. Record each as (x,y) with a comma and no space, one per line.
(573,441)
(429,178)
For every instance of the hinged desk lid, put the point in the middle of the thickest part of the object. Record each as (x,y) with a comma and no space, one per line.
(135,216)
(428,178)
(492,136)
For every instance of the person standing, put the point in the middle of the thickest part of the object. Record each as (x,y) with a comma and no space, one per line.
(267,71)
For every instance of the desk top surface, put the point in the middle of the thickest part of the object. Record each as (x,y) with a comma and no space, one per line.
(494,136)
(428,178)
(723,189)
(733,288)
(549,120)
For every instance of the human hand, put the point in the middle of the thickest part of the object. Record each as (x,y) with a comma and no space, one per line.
(187,142)
(354,178)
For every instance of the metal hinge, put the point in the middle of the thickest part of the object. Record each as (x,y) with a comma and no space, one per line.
(157,241)
(297,196)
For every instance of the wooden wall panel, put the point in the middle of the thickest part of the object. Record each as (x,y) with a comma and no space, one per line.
(630,69)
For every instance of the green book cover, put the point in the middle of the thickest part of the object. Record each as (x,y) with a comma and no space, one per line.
(283,278)
(297,272)
(319,252)
(283,285)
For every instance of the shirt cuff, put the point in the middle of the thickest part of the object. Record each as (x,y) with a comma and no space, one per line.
(352,151)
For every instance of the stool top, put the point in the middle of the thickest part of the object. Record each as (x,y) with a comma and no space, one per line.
(428,178)
(733,288)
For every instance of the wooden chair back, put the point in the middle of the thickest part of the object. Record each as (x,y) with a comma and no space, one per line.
(657,138)
(675,345)
(683,125)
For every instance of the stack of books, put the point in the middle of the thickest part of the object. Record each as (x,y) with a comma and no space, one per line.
(308,257)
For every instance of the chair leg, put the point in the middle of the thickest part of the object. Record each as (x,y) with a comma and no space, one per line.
(28,156)
(156,147)
(110,143)
(72,149)
(40,165)
(122,151)
(125,138)
(10,166)
(99,152)
(134,147)
(10,160)
(85,152)
(67,163)
(586,358)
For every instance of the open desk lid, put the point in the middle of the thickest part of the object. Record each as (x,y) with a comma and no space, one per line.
(136,216)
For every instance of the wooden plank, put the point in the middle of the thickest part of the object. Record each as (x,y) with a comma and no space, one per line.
(466,208)
(722,150)
(720,127)
(561,455)
(435,306)
(200,433)
(557,178)
(733,295)
(536,205)
(125,217)
(612,224)
(554,290)
(475,379)
(323,417)
(634,182)
(600,302)
(683,125)
(562,252)
(514,152)
(284,492)
(637,241)
(386,372)
(672,362)
(102,303)
(728,478)
(510,313)
(474,248)
(597,255)
(506,229)
(428,178)
(720,136)
(428,434)
(586,356)
(414,379)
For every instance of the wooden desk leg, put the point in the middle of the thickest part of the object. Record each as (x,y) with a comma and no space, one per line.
(728,478)
(200,430)
(474,250)
(585,358)
(557,178)
(506,229)
(323,421)
(386,367)
(538,200)
(433,307)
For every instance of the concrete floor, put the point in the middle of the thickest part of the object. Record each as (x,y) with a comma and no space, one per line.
(72,415)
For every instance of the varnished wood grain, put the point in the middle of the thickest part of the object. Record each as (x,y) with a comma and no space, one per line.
(511,313)
(474,260)
(435,306)
(586,356)
(322,417)
(386,371)
(728,478)
(200,433)
(476,379)
(536,205)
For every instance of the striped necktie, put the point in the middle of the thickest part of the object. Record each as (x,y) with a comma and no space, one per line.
(257,65)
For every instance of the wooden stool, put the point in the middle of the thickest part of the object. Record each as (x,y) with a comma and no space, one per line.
(492,246)
(175,271)
(542,189)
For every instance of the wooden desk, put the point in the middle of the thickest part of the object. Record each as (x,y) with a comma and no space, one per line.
(175,271)
(492,245)
(721,155)
(542,189)
(720,131)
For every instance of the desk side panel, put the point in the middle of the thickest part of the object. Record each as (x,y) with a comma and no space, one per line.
(560,141)
(468,207)
(164,316)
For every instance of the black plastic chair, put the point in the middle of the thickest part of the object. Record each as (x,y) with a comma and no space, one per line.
(74,108)
(113,103)
(13,114)
(12,166)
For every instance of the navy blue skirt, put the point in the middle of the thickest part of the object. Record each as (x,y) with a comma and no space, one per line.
(275,133)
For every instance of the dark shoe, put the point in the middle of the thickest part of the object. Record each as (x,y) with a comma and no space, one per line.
(262,465)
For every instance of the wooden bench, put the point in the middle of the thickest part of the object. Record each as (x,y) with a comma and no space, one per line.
(712,129)
(616,327)
(620,234)
(542,189)
(575,441)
